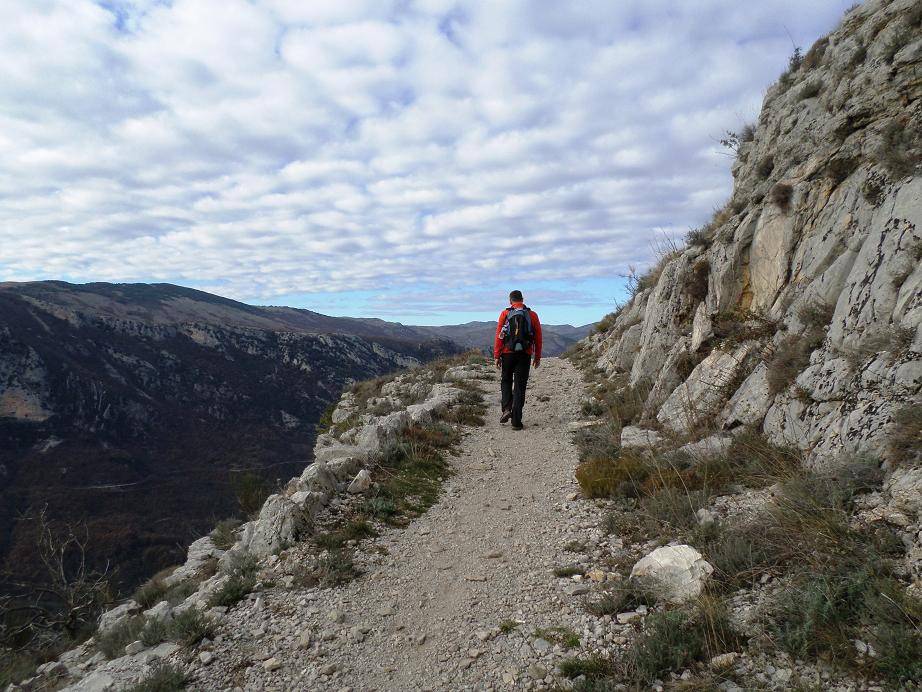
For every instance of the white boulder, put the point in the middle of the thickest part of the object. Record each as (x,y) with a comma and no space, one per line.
(675,573)
(632,436)
(361,483)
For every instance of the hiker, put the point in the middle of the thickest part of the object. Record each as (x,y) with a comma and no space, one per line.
(518,339)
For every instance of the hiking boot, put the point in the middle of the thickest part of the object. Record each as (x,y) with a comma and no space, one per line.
(506,416)
(518,426)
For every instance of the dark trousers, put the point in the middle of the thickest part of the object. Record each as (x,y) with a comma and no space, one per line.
(513,383)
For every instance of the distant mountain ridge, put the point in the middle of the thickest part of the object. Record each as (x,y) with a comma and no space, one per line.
(479,335)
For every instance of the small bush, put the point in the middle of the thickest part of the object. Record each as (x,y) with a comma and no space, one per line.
(354,530)
(189,627)
(507,626)
(675,639)
(686,362)
(735,327)
(898,152)
(335,568)
(593,668)
(695,282)
(469,410)
(382,508)
(112,644)
(780,195)
(791,356)
(224,534)
(606,323)
(699,237)
(151,592)
(626,596)
(815,315)
(820,615)
(905,441)
(162,678)
(796,60)
(568,571)
(623,475)
(251,491)
(765,167)
(811,89)
(564,636)
(814,56)
(242,579)
(411,472)
(839,168)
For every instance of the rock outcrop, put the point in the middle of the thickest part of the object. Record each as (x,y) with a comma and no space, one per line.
(797,310)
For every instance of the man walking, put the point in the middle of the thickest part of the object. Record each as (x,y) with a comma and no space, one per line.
(518,340)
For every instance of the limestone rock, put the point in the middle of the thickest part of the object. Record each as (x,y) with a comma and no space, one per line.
(704,392)
(361,483)
(280,523)
(675,573)
(632,436)
(905,488)
(115,617)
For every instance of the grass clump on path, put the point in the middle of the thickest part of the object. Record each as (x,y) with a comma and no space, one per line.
(410,471)
(162,678)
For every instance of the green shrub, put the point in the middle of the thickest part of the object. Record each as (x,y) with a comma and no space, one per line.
(593,668)
(224,535)
(112,644)
(251,491)
(675,639)
(189,627)
(623,475)
(354,529)
(411,471)
(335,568)
(822,614)
(627,595)
(150,593)
(242,578)
(162,678)
(790,357)
(564,636)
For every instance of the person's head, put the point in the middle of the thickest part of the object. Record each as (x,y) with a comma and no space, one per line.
(515,297)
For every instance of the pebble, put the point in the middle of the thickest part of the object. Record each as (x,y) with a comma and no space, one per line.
(271,664)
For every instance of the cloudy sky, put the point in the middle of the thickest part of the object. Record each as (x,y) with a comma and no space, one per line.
(408,159)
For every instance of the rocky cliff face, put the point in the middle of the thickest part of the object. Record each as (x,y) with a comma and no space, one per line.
(797,310)
(135,407)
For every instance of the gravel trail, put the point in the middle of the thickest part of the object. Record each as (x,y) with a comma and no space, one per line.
(426,613)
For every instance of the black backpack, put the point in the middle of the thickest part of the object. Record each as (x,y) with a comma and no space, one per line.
(517,333)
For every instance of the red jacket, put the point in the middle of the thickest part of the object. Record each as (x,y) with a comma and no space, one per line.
(499,347)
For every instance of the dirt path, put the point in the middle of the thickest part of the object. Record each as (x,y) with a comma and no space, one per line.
(426,613)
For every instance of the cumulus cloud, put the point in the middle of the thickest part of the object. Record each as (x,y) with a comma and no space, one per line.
(267,148)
